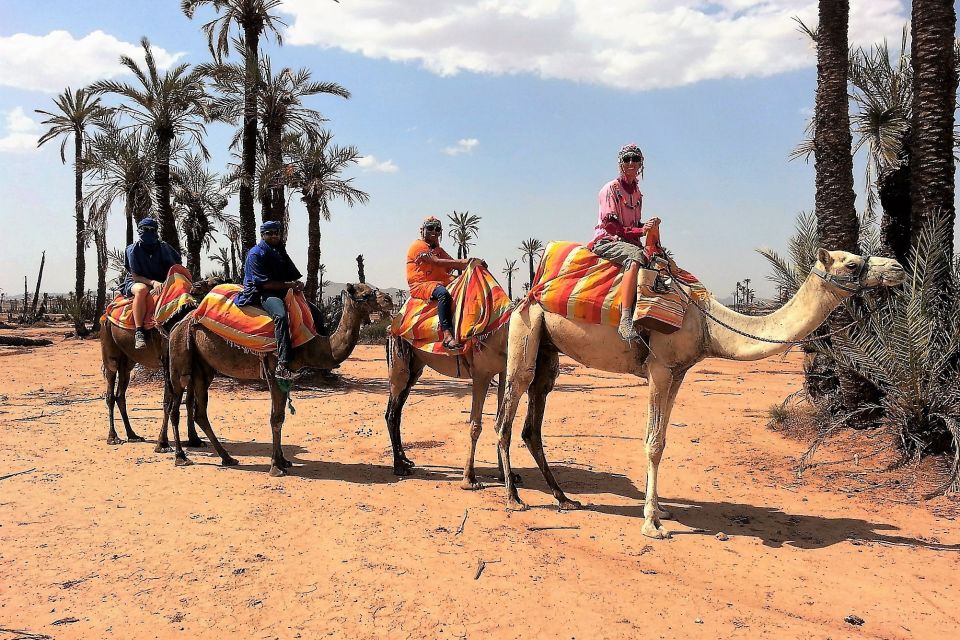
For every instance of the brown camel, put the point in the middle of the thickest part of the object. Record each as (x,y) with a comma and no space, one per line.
(197,354)
(119,357)
(405,365)
(537,337)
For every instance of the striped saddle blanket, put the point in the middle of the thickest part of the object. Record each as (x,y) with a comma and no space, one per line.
(249,327)
(575,282)
(174,295)
(480,307)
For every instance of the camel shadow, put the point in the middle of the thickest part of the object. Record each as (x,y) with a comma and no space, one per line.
(772,526)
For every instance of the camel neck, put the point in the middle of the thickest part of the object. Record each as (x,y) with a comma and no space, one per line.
(347,333)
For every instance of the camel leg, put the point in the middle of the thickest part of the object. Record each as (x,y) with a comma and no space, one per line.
(481,385)
(548,368)
(404,372)
(664,385)
(501,384)
(193,438)
(526,326)
(278,406)
(201,378)
(110,397)
(172,409)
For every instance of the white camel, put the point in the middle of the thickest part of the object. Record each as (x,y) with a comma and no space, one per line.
(537,337)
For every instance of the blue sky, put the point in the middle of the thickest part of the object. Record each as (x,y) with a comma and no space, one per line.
(511,110)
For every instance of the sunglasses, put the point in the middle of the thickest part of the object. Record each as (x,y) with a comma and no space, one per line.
(432,227)
(631,159)
(271,232)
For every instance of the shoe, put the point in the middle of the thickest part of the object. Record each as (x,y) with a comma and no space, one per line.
(139,339)
(282,373)
(626,328)
(452,345)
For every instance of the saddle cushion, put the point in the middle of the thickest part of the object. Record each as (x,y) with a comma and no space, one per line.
(173,296)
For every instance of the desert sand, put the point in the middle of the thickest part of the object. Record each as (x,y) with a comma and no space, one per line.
(101,541)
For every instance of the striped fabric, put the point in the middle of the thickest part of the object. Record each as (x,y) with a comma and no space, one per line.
(480,307)
(576,283)
(174,295)
(249,327)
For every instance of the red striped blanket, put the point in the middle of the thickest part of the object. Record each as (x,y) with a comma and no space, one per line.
(173,296)
(249,327)
(480,307)
(577,283)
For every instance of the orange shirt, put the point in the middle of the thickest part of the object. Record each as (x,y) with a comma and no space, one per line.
(423,278)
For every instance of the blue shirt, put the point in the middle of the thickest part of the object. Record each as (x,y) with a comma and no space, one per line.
(265,264)
(148,261)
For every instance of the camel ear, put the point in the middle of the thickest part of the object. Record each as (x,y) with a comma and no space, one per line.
(824,257)
(351,290)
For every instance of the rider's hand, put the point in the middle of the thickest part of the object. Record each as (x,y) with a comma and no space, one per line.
(651,223)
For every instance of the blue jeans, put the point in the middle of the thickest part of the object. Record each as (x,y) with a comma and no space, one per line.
(444,307)
(281,327)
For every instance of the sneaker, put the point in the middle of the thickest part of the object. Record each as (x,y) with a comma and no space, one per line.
(282,373)
(139,339)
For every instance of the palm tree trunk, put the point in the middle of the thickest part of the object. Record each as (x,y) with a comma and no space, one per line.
(81,265)
(510,285)
(100,241)
(893,187)
(234,275)
(933,23)
(248,169)
(274,170)
(36,291)
(311,289)
(837,223)
(168,226)
(530,264)
(195,235)
(128,214)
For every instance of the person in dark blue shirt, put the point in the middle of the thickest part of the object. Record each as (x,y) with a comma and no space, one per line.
(268,273)
(147,262)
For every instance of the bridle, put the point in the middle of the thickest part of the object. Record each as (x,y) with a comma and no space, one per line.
(852,283)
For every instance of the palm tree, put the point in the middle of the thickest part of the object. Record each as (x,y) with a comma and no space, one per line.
(531,249)
(252,18)
(170,106)
(200,198)
(508,271)
(463,228)
(96,232)
(314,168)
(932,56)
(76,111)
(281,113)
(121,161)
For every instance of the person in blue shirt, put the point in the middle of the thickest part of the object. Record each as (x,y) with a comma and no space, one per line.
(268,273)
(147,262)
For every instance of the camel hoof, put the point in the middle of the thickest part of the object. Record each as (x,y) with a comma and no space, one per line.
(162,448)
(515,504)
(570,505)
(402,470)
(229,462)
(654,530)
(663,514)
(114,440)
(276,472)
(182,461)
(470,485)
(135,438)
(196,443)
(407,462)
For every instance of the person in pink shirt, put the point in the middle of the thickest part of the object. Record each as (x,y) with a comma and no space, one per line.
(618,236)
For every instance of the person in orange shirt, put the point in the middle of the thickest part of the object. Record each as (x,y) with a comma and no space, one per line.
(429,271)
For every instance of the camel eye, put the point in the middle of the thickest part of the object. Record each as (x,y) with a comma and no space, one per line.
(851,266)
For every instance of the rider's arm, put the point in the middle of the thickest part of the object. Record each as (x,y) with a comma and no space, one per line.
(446,263)
(153,284)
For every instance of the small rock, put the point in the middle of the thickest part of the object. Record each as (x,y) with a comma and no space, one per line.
(854,620)
(699,621)
(722,537)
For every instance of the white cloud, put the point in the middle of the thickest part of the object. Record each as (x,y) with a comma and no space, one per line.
(21,132)
(370,163)
(464,145)
(629,44)
(57,60)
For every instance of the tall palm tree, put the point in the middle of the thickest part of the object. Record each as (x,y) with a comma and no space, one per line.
(76,111)
(463,228)
(531,249)
(315,168)
(170,106)
(200,198)
(508,271)
(932,54)
(281,113)
(121,161)
(252,18)
(96,233)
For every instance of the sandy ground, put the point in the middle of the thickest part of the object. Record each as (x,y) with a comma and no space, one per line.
(115,542)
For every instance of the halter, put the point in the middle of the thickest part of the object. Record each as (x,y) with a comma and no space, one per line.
(852,283)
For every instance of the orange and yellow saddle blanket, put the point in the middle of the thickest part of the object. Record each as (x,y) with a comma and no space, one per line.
(480,307)
(250,327)
(575,282)
(173,296)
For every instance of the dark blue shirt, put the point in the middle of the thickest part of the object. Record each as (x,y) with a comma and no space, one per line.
(148,261)
(265,264)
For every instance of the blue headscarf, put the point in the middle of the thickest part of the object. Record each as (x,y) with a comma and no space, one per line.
(270,225)
(147,228)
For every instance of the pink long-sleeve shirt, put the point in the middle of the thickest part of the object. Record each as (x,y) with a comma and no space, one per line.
(615,199)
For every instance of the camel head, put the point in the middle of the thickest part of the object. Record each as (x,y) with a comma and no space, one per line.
(852,273)
(368,299)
